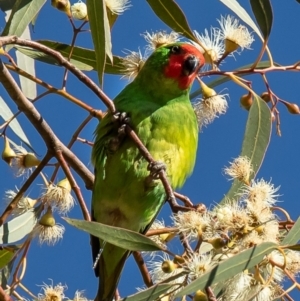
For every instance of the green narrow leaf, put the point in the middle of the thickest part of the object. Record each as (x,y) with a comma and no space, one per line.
(122,238)
(256,140)
(6,255)
(6,114)
(85,56)
(229,268)
(149,294)
(26,63)
(293,236)
(294,247)
(20,226)
(242,14)
(100,33)
(83,59)
(171,14)
(21,15)
(6,272)
(262,10)
(42,57)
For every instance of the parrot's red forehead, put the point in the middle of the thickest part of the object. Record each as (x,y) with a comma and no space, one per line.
(188,48)
(176,68)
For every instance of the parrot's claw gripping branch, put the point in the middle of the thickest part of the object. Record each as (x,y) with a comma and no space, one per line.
(123,120)
(155,168)
(121,117)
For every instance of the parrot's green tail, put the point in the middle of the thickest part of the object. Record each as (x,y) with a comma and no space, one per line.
(108,281)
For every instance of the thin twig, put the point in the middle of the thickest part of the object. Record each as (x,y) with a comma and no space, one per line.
(187,202)
(51,140)
(4,296)
(16,280)
(74,185)
(12,205)
(72,141)
(63,62)
(166,230)
(76,31)
(54,90)
(85,141)
(143,268)
(25,289)
(210,294)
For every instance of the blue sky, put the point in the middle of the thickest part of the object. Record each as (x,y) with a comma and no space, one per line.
(70,262)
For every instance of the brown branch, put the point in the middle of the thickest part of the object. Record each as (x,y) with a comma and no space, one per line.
(143,268)
(185,243)
(166,230)
(16,280)
(4,296)
(75,187)
(8,121)
(72,141)
(85,141)
(186,201)
(76,31)
(80,128)
(63,62)
(210,294)
(54,90)
(51,140)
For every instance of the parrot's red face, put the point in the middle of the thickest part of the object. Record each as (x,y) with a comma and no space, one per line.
(185,61)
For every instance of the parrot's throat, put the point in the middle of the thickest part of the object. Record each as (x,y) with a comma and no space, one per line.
(175,70)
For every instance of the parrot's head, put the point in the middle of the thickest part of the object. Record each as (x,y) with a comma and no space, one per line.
(175,65)
(184,63)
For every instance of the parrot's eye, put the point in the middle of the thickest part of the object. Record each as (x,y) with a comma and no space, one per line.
(175,50)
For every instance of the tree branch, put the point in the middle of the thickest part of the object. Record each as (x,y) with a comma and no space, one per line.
(51,140)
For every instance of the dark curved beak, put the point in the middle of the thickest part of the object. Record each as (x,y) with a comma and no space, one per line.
(190,65)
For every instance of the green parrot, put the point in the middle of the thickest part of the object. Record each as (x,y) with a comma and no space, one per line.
(125,195)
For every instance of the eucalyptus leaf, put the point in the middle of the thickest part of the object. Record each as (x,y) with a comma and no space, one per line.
(229,268)
(294,247)
(293,236)
(171,14)
(6,114)
(150,294)
(85,56)
(23,12)
(45,58)
(26,63)
(120,237)
(262,10)
(6,256)
(17,228)
(256,141)
(5,273)
(100,30)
